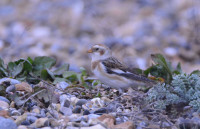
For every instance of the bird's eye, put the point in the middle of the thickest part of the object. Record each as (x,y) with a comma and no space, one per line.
(97,49)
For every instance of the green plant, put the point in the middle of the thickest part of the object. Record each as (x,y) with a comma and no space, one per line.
(184,88)
(32,70)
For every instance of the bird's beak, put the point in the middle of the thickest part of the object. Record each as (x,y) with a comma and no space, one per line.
(89,51)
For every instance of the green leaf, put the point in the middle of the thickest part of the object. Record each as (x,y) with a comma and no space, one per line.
(42,62)
(58,79)
(160,60)
(3,71)
(83,71)
(61,70)
(70,75)
(30,60)
(178,69)
(15,69)
(47,74)
(197,72)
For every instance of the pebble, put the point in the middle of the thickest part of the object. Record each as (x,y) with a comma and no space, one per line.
(97,102)
(98,126)
(7,123)
(4,113)
(31,119)
(62,85)
(22,127)
(86,112)
(15,113)
(19,119)
(10,88)
(4,99)
(24,86)
(66,111)
(4,105)
(25,122)
(39,122)
(77,109)
(36,110)
(66,103)
(81,102)
(12,81)
(101,111)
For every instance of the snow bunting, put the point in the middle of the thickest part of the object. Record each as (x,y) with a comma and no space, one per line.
(112,72)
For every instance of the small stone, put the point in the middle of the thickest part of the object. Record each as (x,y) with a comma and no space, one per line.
(10,89)
(36,110)
(25,122)
(15,113)
(19,119)
(4,105)
(98,126)
(31,119)
(77,109)
(12,81)
(54,123)
(97,102)
(107,119)
(125,125)
(43,112)
(40,122)
(171,51)
(92,116)
(4,99)
(66,111)
(101,111)
(62,85)
(22,127)
(66,103)
(7,123)
(12,105)
(4,113)
(86,112)
(81,102)
(46,128)
(24,86)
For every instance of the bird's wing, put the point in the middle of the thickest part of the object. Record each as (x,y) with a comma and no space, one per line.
(113,66)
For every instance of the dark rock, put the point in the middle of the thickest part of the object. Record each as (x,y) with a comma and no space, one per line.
(67,103)
(86,112)
(31,119)
(25,122)
(7,124)
(101,111)
(81,102)
(77,109)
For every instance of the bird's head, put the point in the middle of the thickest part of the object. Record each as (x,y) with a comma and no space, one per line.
(100,52)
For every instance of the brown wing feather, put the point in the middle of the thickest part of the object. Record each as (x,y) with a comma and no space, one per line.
(112,63)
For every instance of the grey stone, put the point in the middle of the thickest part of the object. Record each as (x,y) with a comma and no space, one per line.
(12,81)
(4,99)
(62,85)
(25,122)
(91,116)
(10,88)
(31,119)
(66,111)
(101,111)
(7,124)
(77,109)
(86,112)
(81,102)
(66,103)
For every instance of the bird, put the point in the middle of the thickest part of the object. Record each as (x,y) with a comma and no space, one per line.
(111,72)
